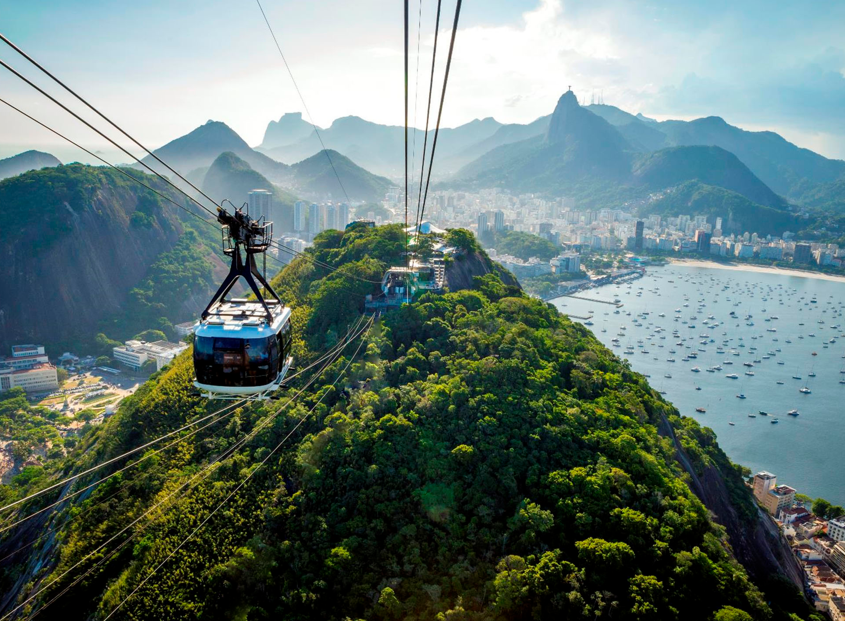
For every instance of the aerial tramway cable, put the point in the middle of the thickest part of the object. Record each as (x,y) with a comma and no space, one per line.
(63,499)
(240,485)
(224,415)
(417,219)
(353,333)
(406,125)
(302,99)
(416,90)
(103,116)
(139,161)
(442,99)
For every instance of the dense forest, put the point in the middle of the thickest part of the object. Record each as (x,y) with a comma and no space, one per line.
(481,457)
(521,245)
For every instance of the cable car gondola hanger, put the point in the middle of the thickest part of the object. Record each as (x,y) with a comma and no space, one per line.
(242,346)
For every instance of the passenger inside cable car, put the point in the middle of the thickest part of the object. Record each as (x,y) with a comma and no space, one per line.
(248,362)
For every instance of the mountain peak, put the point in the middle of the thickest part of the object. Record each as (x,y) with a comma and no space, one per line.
(567,116)
(290,128)
(292,116)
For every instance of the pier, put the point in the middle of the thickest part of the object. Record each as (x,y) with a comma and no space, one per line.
(578,297)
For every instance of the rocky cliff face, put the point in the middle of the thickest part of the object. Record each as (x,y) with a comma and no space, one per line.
(756,543)
(80,238)
(464,268)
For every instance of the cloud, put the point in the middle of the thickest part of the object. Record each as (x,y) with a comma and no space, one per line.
(747,63)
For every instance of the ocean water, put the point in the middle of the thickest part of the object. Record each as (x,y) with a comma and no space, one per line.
(805,332)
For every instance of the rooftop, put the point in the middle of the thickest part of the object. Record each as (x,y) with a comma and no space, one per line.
(795,511)
(36,367)
(782,490)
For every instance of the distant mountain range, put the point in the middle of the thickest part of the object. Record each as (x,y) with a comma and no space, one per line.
(584,155)
(200,148)
(378,148)
(23,162)
(598,155)
(798,175)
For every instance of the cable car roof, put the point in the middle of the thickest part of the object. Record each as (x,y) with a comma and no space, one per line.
(242,318)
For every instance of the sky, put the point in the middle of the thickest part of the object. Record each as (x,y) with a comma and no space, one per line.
(161,68)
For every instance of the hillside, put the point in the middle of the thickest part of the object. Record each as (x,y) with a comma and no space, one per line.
(601,156)
(780,164)
(82,238)
(482,458)
(316,177)
(201,147)
(26,161)
(737,212)
(230,177)
(580,155)
(710,165)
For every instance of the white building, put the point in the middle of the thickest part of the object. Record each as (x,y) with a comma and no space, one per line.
(135,354)
(499,221)
(836,528)
(184,329)
(342,216)
(299,216)
(314,219)
(24,357)
(773,253)
(260,204)
(40,377)
(567,262)
(744,251)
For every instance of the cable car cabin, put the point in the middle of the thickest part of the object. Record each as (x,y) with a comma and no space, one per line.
(238,353)
(242,346)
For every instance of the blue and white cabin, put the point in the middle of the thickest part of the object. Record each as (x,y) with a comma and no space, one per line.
(239,353)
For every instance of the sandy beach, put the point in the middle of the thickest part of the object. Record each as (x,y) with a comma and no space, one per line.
(761,269)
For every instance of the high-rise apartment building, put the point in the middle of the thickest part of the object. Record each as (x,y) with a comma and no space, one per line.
(299,216)
(482,223)
(342,216)
(802,253)
(314,224)
(260,204)
(499,220)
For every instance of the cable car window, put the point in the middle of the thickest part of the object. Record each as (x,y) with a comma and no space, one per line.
(257,351)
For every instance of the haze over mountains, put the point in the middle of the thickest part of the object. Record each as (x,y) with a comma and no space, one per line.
(23,162)
(598,155)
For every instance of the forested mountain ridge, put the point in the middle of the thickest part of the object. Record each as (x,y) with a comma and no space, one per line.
(318,176)
(711,165)
(200,147)
(738,213)
(600,155)
(483,458)
(82,238)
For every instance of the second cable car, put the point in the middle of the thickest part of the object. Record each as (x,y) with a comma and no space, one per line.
(242,346)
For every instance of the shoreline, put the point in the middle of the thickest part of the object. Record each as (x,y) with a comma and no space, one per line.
(760,269)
